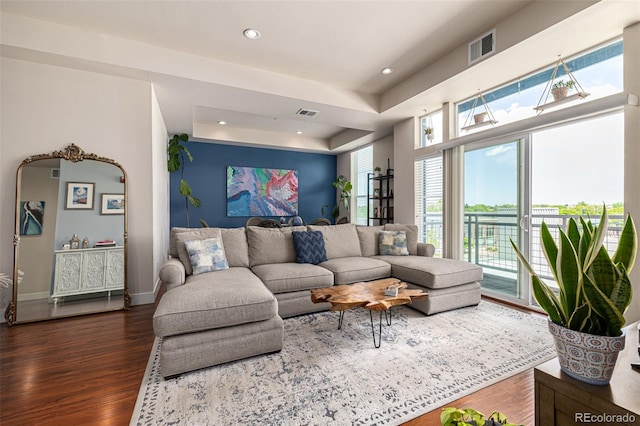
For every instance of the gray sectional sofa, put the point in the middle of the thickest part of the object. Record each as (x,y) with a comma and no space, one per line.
(225,315)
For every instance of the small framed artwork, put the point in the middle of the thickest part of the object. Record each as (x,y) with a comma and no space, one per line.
(79,196)
(112,204)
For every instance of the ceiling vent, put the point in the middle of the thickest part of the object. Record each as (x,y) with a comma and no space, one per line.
(55,173)
(306,112)
(482,47)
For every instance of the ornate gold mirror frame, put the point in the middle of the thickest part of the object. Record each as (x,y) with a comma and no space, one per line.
(75,154)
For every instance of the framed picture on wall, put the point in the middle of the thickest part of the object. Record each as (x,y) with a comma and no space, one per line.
(79,196)
(112,204)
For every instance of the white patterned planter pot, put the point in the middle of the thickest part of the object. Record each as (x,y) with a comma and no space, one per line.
(586,357)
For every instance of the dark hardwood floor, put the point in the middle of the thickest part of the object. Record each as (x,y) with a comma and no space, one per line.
(87,371)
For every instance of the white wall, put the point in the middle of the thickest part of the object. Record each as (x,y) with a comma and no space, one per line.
(160,211)
(45,108)
(404,135)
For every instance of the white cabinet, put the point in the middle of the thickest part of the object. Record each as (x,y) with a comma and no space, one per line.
(87,271)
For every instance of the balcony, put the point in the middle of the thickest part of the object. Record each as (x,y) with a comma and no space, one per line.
(486,243)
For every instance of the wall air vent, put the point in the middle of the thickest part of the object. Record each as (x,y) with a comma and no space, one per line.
(55,173)
(306,112)
(482,47)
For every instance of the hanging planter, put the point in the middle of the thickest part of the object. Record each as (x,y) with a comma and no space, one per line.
(480,119)
(559,90)
(429,131)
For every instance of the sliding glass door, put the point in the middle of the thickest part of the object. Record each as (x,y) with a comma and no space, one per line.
(494,206)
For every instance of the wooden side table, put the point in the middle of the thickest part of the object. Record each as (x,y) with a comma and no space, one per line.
(561,400)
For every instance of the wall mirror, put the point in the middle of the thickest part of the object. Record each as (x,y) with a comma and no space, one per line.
(70,237)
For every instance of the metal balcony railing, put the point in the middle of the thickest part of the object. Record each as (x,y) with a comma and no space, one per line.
(487,235)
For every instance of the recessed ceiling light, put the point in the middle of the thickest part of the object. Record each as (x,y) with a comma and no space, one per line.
(386,71)
(298,132)
(251,33)
(222,123)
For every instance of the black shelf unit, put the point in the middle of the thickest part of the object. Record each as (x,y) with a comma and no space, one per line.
(380,202)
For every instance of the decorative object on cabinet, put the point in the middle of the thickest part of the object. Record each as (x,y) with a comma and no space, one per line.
(35,258)
(112,204)
(380,198)
(559,89)
(177,151)
(74,242)
(79,196)
(586,318)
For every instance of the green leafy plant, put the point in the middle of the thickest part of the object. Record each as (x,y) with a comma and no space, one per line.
(177,152)
(561,83)
(344,188)
(452,416)
(594,288)
(428,130)
(377,169)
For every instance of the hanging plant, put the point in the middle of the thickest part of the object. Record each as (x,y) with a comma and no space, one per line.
(177,151)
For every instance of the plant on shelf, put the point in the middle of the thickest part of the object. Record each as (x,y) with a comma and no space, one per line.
(560,89)
(177,151)
(376,171)
(344,188)
(593,293)
(452,416)
(481,117)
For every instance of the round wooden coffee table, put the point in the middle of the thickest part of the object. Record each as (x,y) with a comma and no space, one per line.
(369,295)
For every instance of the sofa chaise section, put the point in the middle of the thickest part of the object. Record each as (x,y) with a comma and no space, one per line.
(216,317)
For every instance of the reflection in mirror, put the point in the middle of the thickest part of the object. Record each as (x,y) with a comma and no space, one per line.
(70,237)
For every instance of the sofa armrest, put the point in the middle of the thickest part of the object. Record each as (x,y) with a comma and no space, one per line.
(426,249)
(172,273)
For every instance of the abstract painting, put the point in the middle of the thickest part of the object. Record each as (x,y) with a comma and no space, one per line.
(79,196)
(31,217)
(257,191)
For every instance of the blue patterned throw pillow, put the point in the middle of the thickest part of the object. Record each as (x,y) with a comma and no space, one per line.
(309,247)
(206,255)
(393,243)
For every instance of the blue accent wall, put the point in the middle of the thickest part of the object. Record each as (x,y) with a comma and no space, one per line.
(207,176)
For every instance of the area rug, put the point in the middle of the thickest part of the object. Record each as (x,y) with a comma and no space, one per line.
(328,376)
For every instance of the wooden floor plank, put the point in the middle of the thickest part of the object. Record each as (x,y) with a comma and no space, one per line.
(87,371)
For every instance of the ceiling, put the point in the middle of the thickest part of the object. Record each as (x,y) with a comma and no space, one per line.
(318,54)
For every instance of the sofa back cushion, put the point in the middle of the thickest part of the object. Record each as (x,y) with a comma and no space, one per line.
(369,237)
(234,241)
(339,240)
(412,235)
(235,246)
(271,245)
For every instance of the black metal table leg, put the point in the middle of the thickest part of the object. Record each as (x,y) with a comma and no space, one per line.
(387,316)
(340,319)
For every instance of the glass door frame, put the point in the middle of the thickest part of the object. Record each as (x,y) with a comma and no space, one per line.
(523,213)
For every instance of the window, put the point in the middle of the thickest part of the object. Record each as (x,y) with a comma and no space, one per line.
(362,160)
(428,201)
(599,72)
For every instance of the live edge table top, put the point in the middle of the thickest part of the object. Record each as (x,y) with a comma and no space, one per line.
(369,295)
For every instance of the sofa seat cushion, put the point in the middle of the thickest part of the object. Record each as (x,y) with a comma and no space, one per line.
(286,277)
(432,272)
(214,300)
(349,270)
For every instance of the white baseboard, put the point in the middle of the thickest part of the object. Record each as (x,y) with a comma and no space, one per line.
(146,298)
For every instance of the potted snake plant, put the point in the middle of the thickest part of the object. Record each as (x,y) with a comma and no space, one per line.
(586,316)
